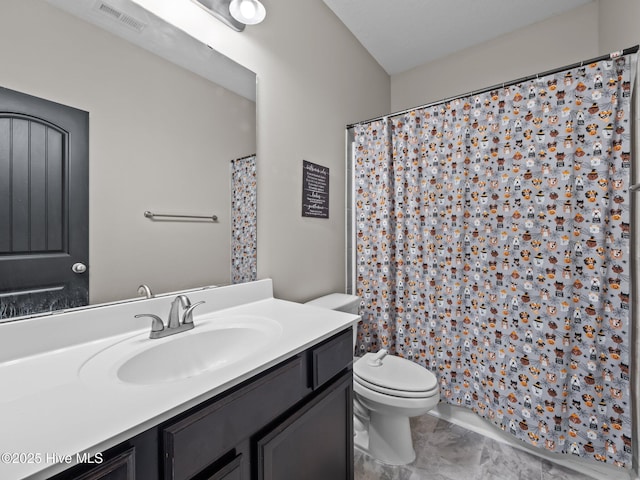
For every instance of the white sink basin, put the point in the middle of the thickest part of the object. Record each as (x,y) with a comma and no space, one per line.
(211,345)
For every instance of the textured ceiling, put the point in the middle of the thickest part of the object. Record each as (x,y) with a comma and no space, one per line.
(402,34)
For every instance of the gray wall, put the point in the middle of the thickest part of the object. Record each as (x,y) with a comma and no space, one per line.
(558,41)
(314,78)
(618,24)
(597,28)
(161,139)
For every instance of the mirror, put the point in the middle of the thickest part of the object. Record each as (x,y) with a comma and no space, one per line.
(167,116)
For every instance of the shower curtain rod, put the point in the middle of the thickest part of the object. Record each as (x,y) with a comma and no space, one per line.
(609,56)
(243,158)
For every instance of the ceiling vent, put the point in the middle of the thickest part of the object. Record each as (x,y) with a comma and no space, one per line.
(121,17)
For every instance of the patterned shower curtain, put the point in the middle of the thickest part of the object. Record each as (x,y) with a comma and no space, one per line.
(493,248)
(244,219)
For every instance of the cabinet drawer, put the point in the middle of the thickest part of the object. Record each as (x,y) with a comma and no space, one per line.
(231,471)
(331,357)
(120,467)
(199,439)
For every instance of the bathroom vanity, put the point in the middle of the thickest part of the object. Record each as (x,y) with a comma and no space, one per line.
(281,411)
(293,421)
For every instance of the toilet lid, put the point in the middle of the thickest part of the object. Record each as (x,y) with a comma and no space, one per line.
(390,392)
(395,373)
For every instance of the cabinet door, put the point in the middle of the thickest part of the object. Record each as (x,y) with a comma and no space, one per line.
(316,442)
(231,471)
(120,467)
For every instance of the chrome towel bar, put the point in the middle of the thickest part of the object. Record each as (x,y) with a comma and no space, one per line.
(152,216)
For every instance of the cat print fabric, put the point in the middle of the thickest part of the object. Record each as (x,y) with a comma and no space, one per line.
(244,219)
(493,249)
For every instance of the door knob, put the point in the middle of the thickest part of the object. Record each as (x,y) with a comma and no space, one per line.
(79,268)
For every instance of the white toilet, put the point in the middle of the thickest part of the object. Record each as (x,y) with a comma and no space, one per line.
(388,390)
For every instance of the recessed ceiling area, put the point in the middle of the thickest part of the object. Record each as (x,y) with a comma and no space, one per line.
(403,34)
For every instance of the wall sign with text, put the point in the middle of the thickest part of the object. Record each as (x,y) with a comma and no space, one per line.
(315,190)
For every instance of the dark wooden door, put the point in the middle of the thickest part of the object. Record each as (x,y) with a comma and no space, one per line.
(44,211)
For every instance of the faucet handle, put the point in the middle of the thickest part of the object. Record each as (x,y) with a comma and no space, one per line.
(157,324)
(187,317)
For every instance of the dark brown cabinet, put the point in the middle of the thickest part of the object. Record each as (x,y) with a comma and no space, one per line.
(231,471)
(118,467)
(292,421)
(315,442)
(202,437)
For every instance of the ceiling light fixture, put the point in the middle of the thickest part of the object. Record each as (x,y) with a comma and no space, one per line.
(249,12)
(220,10)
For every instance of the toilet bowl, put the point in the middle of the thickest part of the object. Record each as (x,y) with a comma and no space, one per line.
(391,390)
(388,390)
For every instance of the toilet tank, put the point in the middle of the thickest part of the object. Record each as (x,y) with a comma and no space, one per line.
(341,302)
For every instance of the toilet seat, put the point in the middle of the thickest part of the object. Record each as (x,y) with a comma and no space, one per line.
(394,393)
(395,376)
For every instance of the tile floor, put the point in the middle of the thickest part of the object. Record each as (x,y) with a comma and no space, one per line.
(449,452)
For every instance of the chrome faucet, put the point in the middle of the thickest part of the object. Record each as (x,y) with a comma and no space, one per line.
(144,291)
(174,325)
(174,314)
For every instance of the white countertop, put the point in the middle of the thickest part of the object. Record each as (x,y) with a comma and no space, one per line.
(47,411)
